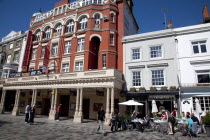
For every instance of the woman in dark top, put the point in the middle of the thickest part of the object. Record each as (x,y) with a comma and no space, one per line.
(145,123)
(32,113)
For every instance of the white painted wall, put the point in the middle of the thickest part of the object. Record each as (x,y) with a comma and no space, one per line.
(185,51)
(164,38)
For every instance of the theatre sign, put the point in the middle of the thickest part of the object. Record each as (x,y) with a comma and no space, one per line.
(12,35)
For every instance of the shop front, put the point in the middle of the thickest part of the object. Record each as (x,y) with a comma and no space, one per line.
(166,99)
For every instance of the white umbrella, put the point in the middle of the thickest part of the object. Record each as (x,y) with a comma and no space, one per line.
(154,107)
(130,102)
(198,107)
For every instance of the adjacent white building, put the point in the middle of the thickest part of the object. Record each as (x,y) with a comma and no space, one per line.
(193,54)
(177,57)
(150,61)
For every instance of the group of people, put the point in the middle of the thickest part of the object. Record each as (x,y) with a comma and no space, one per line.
(144,120)
(29,114)
(117,121)
(191,120)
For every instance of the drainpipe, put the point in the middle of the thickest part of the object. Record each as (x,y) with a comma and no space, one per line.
(179,75)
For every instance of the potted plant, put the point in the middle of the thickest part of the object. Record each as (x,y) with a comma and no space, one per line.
(153,89)
(206,121)
(132,89)
(164,88)
(142,89)
(173,88)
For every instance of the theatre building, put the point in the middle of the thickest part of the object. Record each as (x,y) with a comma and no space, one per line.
(74,57)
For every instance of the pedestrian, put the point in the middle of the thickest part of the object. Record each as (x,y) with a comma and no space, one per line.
(100,119)
(169,120)
(114,120)
(173,113)
(32,114)
(27,111)
(58,110)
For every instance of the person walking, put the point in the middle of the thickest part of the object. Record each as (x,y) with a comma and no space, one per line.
(114,120)
(27,111)
(58,110)
(169,120)
(100,119)
(32,114)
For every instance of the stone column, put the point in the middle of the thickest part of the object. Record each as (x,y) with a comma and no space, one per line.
(53,105)
(33,102)
(15,111)
(112,100)
(63,30)
(107,119)
(78,117)
(2,101)
(56,98)
(77,103)
(51,33)
(81,101)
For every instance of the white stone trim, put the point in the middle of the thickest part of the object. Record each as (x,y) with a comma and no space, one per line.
(95,35)
(34,47)
(81,36)
(78,18)
(101,15)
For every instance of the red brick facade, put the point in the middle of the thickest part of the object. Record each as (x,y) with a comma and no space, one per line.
(97,40)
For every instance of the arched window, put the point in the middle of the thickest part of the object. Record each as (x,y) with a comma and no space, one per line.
(70,26)
(37,35)
(47,33)
(83,23)
(112,17)
(97,19)
(58,28)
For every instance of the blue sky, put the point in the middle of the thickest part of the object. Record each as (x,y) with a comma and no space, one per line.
(16,14)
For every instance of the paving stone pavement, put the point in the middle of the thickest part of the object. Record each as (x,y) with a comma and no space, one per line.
(13,127)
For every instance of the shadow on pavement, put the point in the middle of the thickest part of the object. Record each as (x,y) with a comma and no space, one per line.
(3,123)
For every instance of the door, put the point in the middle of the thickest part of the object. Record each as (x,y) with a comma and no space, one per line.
(85,108)
(65,105)
(10,100)
(46,107)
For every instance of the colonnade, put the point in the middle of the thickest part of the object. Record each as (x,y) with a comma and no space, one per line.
(78,116)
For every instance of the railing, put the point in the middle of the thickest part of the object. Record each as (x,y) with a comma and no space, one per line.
(56,34)
(97,26)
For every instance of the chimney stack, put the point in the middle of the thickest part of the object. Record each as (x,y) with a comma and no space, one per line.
(206,18)
(170,26)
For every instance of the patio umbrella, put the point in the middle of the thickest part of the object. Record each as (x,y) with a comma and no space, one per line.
(198,107)
(130,102)
(154,107)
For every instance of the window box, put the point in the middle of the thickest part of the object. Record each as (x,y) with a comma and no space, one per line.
(142,89)
(173,88)
(164,88)
(154,89)
(132,89)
